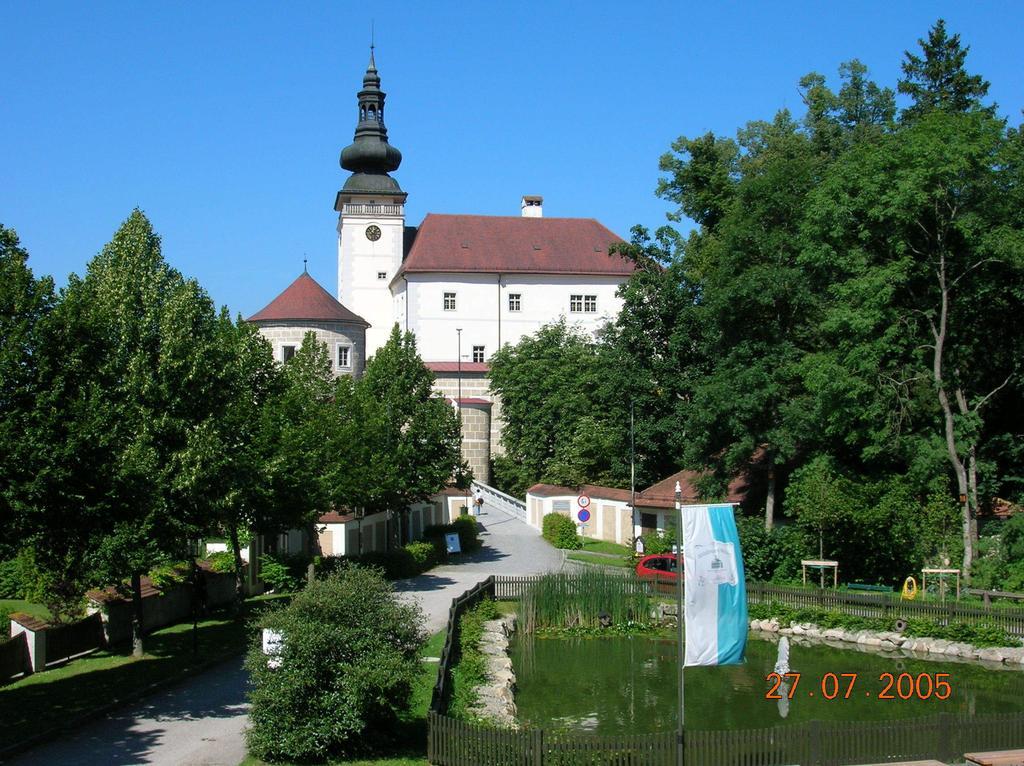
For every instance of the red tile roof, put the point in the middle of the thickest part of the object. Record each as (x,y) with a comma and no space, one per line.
(593,491)
(454,366)
(305,299)
(333,517)
(662,494)
(514,244)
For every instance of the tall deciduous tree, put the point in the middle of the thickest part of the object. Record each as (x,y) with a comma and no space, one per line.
(24,302)
(547,383)
(129,382)
(924,263)
(397,442)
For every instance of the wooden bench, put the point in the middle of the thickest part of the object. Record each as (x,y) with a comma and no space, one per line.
(996,758)
(873,589)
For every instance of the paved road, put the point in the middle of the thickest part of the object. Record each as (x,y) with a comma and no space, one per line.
(200,721)
(510,548)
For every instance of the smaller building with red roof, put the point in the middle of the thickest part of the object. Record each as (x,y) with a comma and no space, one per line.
(306,307)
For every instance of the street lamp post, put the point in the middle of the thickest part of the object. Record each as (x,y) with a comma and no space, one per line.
(681,657)
(458,401)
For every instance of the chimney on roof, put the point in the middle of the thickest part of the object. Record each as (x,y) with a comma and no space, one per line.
(533,206)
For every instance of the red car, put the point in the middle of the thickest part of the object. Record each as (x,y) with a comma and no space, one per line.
(658,567)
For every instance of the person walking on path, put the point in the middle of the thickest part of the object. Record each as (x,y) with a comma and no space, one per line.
(478,501)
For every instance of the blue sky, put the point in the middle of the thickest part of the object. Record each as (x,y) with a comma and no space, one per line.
(224,121)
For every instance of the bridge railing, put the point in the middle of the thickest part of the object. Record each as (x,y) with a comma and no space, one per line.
(497,498)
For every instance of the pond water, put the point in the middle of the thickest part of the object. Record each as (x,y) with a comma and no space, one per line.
(628,685)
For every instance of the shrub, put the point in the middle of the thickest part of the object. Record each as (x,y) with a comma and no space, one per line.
(561,532)
(467,529)
(661,542)
(347,666)
(422,555)
(222,562)
(408,561)
(276,574)
(169,574)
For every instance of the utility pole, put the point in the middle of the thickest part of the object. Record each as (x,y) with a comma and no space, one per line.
(680,735)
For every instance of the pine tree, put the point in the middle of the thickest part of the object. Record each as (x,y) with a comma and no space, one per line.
(938,80)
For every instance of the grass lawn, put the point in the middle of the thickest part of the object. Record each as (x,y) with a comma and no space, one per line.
(408,740)
(47,700)
(590,545)
(605,561)
(9,605)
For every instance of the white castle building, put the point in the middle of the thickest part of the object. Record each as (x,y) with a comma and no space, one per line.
(463,284)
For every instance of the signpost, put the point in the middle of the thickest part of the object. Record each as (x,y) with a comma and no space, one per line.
(583,515)
(452,543)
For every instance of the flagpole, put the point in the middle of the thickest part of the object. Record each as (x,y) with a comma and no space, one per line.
(680,734)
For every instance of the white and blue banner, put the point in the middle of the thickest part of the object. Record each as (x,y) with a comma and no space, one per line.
(716,593)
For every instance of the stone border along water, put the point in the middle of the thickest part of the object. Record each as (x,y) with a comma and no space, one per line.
(496,696)
(891,641)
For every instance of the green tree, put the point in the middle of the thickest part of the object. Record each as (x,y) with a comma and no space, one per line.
(918,243)
(24,303)
(129,381)
(400,441)
(938,80)
(234,459)
(756,305)
(547,386)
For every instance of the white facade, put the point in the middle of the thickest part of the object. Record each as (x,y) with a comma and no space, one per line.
(482,308)
(367,262)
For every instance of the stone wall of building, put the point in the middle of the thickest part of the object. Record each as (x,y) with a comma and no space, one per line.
(476,385)
(476,439)
(283,333)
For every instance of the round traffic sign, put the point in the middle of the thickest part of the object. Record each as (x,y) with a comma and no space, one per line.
(583,515)
(583,501)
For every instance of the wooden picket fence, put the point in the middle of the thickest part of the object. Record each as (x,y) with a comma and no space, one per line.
(889,606)
(945,736)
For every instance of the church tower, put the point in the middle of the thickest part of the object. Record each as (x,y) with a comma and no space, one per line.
(371,217)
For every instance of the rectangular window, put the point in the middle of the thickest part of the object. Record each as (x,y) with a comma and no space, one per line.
(344,357)
(583,304)
(560,506)
(649,521)
(515,301)
(449,301)
(287,352)
(478,353)
(382,275)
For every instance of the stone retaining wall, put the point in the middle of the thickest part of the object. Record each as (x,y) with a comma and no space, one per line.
(496,697)
(891,641)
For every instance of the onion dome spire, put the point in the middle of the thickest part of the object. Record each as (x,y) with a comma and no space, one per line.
(370,157)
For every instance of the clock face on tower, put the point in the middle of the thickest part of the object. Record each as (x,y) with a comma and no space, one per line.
(373,233)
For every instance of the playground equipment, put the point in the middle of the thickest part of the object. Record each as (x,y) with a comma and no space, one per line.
(909,589)
(941,575)
(821,565)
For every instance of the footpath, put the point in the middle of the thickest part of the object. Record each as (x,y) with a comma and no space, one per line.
(200,721)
